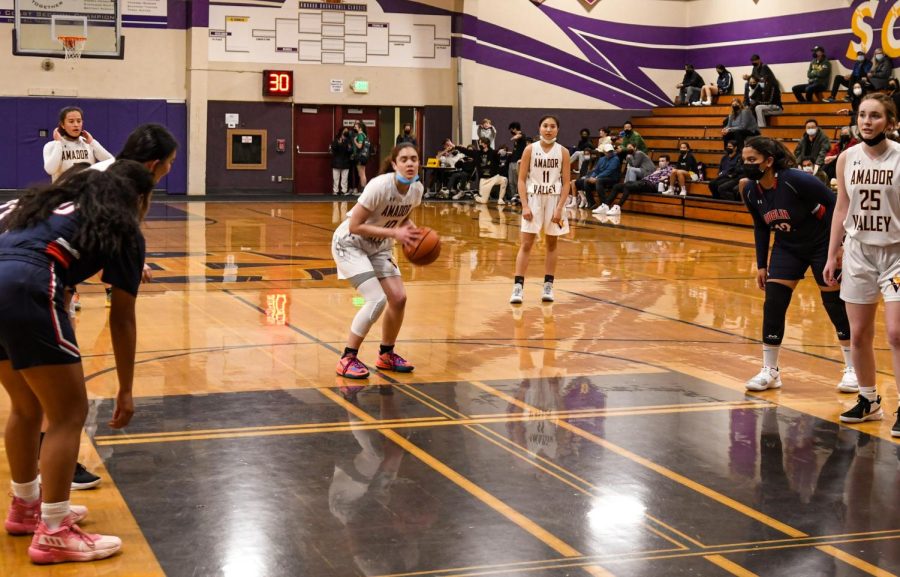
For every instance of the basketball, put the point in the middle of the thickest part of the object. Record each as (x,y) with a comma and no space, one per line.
(426,250)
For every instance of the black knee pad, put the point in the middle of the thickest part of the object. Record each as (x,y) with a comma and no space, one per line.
(837,312)
(778,298)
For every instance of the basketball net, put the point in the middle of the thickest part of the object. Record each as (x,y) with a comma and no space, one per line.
(73,46)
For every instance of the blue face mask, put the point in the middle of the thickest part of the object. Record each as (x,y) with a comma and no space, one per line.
(403,180)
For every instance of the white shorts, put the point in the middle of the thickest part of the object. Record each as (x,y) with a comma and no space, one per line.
(355,255)
(869,272)
(542,207)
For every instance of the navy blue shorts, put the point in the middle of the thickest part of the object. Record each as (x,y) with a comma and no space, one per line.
(34,327)
(788,264)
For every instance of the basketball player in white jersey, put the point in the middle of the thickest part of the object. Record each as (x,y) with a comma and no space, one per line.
(362,247)
(868,213)
(71,144)
(544,177)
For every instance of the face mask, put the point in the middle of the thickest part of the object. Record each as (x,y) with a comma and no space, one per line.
(753,85)
(857,91)
(735,106)
(812,131)
(879,57)
(403,180)
(807,169)
(753,171)
(663,164)
(875,141)
(406,131)
(502,153)
(626,132)
(845,138)
(730,152)
(683,152)
(860,58)
(762,84)
(545,141)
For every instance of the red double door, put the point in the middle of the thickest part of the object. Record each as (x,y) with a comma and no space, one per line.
(315,126)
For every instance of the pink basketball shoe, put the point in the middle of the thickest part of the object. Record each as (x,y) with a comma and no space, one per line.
(23,518)
(69,543)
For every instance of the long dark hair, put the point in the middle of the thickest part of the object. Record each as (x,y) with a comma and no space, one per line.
(387,165)
(148,142)
(771,148)
(109,205)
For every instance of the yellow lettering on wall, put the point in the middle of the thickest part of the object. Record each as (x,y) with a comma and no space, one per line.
(861,28)
(889,43)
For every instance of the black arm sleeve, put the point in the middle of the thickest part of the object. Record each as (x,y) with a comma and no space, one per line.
(761,232)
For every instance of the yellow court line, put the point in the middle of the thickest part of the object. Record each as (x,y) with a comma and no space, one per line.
(464,483)
(611,411)
(855,561)
(729,566)
(431,402)
(691,484)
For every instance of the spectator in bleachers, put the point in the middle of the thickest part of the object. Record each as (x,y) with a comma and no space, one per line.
(758,71)
(857,91)
(753,92)
(650,183)
(407,135)
(845,141)
(882,69)
(813,145)
(630,136)
(637,164)
(488,167)
(807,166)
(739,125)
(578,151)
(690,85)
(893,88)
(817,76)
(603,137)
(860,70)
(487,130)
(604,175)
(518,147)
(725,185)
(591,155)
(769,100)
(724,84)
(448,157)
(685,170)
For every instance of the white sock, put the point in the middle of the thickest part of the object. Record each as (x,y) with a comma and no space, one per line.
(52,514)
(848,360)
(868,392)
(28,492)
(770,356)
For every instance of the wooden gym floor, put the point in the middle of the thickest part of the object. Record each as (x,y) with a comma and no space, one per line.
(606,434)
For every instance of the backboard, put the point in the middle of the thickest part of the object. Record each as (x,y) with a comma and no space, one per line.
(39,24)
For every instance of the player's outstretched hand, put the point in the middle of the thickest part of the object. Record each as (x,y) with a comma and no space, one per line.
(762,275)
(123,412)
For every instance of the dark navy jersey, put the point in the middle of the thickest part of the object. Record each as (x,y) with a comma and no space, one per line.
(52,239)
(798,209)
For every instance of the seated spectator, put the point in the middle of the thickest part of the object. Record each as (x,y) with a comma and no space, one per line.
(857,91)
(739,125)
(806,165)
(488,166)
(725,185)
(882,69)
(753,93)
(724,84)
(758,71)
(448,157)
(768,101)
(630,136)
(407,135)
(637,164)
(603,138)
(578,152)
(685,170)
(817,76)
(653,182)
(845,141)
(577,184)
(690,85)
(860,70)
(603,176)
(487,130)
(459,179)
(893,88)
(814,145)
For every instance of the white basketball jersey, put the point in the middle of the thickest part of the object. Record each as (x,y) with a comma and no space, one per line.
(61,155)
(545,172)
(873,186)
(389,208)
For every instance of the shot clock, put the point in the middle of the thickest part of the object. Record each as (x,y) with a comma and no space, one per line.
(278,83)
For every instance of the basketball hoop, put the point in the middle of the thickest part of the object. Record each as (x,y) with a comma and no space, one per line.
(73,46)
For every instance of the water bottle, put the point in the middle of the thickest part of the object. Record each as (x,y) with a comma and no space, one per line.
(701,171)
(662,187)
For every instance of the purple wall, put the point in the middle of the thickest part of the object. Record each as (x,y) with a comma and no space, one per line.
(275,117)
(109,121)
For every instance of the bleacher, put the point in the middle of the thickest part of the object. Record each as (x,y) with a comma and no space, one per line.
(701,126)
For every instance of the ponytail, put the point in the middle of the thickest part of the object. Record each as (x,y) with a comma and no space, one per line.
(771,148)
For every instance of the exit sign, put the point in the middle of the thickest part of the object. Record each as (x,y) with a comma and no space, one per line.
(360,86)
